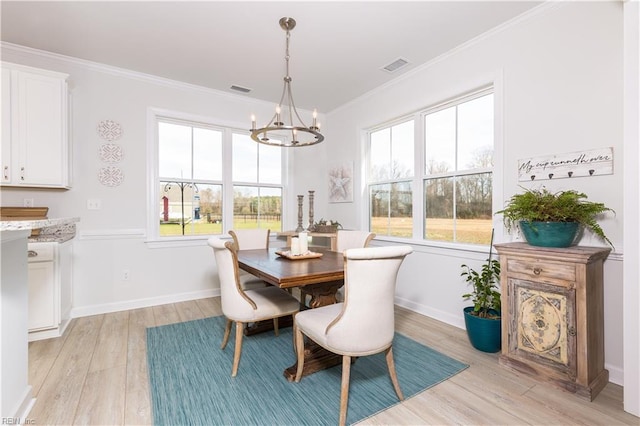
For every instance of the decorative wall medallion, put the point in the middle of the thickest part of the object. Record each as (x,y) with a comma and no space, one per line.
(109,130)
(110,176)
(110,153)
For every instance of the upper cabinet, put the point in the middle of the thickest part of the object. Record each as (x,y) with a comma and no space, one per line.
(35,137)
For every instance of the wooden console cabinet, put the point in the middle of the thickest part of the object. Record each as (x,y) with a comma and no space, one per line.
(553,315)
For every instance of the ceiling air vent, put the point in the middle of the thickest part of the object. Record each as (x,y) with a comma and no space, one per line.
(240,89)
(395,65)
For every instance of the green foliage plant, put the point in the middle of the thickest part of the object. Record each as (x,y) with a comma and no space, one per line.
(541,205)
(485,295)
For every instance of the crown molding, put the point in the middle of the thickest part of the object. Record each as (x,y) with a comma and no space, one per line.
(123,72)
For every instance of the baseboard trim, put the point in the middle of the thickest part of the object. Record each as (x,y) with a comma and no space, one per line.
(85,311)
(24,407)
(431,313)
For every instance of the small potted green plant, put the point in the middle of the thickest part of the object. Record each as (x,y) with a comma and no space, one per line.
(553,219)
(482,320)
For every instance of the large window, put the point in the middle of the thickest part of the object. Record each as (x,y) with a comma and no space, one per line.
(458,145)
(454,149)
(211,179)
(390,175)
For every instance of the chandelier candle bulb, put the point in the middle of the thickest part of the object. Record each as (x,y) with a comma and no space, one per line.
(304,242)
(253,122)
(295,246)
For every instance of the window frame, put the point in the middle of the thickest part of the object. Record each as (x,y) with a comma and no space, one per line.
(154,116)
(494,85)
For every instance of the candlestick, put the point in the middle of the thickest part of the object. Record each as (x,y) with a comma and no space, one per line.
(311,225)
(300,228)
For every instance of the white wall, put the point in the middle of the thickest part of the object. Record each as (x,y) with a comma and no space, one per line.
(113,238)
(559,89)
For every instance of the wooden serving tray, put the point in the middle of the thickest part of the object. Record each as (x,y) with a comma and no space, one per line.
(287,254)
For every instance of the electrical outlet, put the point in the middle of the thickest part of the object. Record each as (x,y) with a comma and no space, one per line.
(125,275)
(94,204)
(27,202)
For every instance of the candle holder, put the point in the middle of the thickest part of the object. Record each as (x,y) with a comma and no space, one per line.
(300,228)
(311,225)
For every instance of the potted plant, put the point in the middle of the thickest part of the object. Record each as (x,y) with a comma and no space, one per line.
(553,219)
(327,226)
(482,320)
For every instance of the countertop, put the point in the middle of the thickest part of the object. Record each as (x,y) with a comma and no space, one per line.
(52,230)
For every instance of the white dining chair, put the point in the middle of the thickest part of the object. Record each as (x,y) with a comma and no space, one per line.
(250,239)
(345,239)
(362,325)
(246,306)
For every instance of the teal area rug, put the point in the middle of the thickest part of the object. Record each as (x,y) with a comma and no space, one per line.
(191,381)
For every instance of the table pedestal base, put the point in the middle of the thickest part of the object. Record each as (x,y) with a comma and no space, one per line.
(316,358)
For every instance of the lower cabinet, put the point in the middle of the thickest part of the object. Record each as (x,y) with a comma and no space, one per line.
(553,315)
(50,283)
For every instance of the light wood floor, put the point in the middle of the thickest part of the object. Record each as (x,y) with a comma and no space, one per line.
(96,374)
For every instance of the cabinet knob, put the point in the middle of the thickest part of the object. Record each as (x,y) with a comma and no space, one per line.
(6,172)
(32,253)
(21,173)
(537,270)
(572,331)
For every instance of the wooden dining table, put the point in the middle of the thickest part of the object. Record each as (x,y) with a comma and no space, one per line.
(321,278)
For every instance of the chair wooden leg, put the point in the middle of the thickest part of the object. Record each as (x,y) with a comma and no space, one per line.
(299,344)
(392,373)
(227,332)
(236,355)
(344,389)
(275,327)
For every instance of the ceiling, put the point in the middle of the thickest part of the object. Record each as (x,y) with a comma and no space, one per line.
(337,49)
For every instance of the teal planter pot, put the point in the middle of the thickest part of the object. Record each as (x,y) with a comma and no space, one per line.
(484,333)
(550,234)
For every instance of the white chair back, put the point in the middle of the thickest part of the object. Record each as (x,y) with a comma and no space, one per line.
(366,323)
(352,239)
(236,305)
(250,239)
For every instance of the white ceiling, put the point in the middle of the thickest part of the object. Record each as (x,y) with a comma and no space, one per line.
(337,48)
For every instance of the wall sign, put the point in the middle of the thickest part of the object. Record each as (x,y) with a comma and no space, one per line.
(574,164)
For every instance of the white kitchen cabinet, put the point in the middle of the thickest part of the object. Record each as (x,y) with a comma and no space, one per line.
(50,288)
(35,138)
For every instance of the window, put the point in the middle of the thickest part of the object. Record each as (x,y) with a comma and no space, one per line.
(211,179)
(458,146)
(257,189)
(454,148)
(390,175)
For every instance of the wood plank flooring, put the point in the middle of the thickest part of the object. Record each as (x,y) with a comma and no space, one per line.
(96,374)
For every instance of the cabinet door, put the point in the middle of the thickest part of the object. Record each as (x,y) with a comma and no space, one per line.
(6,125)
(42,296)
(41,130)
(543,325)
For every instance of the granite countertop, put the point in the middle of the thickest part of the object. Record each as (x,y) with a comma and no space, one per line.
(51,230)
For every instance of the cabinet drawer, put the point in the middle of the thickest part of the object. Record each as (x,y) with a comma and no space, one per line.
(41,252)
(539,269)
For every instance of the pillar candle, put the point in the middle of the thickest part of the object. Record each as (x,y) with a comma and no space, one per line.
(304,242)
(295,246)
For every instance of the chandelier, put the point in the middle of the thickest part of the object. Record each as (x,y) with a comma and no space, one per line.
(286,128)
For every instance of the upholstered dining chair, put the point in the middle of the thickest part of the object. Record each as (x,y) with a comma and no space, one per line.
(364,323)
(250,239)
(346,239)
(245,306)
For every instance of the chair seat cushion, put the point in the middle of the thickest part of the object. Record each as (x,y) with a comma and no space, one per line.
(272,302)
(314,322)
